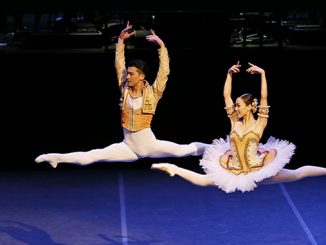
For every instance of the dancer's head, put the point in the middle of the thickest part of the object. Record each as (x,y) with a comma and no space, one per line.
(137,71)
(244,104)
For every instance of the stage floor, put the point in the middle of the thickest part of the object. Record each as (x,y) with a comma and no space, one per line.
(110,206)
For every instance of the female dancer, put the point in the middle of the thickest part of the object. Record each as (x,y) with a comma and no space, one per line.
(241,162)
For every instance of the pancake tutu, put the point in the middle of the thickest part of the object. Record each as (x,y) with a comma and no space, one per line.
(230,182)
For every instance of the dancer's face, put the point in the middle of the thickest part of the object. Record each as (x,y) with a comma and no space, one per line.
(134,77)
(241,108)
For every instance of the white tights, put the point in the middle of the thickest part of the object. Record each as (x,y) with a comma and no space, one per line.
(290,175)
(284,175)
(136,145)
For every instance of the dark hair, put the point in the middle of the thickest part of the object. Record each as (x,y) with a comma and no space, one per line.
(141,66)
(247,98)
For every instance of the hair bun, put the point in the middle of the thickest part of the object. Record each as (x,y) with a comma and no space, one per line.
(254,105)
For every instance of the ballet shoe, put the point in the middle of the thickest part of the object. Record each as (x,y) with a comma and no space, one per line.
(201,147)
(166,167)
(46,158)
(40,158)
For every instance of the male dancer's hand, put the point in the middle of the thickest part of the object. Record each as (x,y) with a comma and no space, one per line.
(155,39)
(127,32)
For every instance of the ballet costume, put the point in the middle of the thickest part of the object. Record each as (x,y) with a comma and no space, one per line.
(240,162)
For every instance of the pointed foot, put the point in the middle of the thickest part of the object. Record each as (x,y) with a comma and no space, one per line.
(165,167)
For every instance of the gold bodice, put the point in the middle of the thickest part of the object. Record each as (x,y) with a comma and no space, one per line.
(243,157)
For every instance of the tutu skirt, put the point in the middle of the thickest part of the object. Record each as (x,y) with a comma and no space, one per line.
(229,182)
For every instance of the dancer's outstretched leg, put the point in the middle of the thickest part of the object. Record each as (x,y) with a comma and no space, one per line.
(289,175)
(145,144)
(163,148)
(118,152)
(191,176)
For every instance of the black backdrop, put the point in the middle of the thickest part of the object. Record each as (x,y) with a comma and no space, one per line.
(68,101)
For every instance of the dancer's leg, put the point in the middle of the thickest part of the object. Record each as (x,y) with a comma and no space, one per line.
(145,144)
(163,148)
(191,176)
(118,152)
(289,175)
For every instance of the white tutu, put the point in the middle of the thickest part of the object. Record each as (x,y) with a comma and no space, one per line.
(229,182)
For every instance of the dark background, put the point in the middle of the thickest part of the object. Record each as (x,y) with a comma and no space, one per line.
(66,99)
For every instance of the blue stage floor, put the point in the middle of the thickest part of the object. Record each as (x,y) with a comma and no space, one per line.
(86,206)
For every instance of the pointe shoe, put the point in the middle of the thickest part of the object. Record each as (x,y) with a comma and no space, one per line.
(46,158)
(166,167)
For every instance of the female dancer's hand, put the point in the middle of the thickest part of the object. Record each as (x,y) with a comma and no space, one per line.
(253,69)
(235,68)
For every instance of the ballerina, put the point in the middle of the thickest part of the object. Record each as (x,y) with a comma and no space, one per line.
(240,162)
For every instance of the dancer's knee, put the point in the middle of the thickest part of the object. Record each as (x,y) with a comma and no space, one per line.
(88,157)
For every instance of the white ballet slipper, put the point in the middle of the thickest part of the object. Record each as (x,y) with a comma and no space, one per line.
(47,158)
(40,158)
(201,147)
